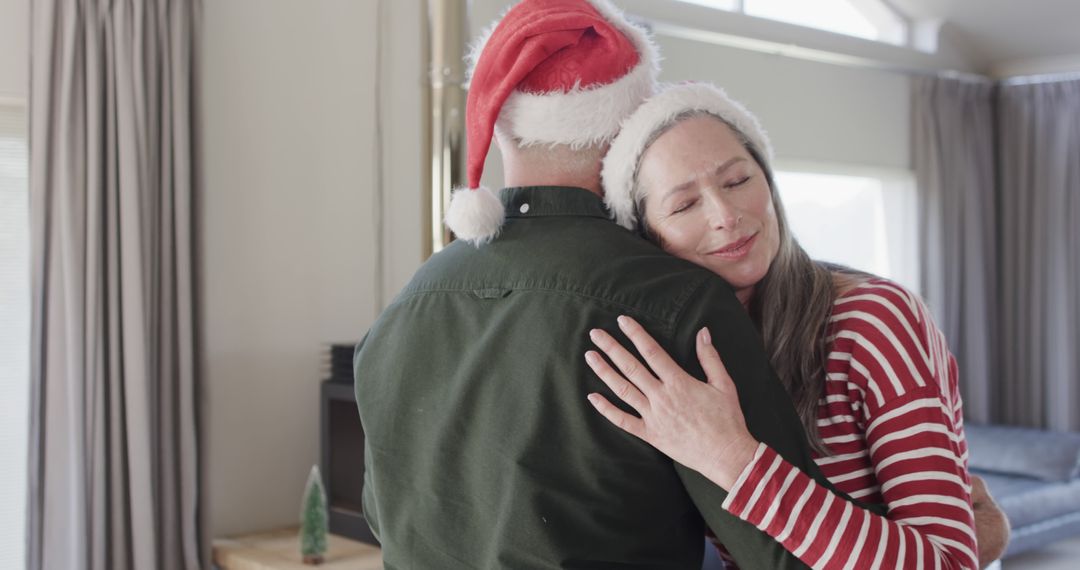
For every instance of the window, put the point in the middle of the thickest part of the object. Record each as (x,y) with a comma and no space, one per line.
(14,333)
(868,19)
(729,5)
(865,220)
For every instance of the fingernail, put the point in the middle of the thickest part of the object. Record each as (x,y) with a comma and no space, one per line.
(590,357)
(705,337)
(594,334)
(623,321)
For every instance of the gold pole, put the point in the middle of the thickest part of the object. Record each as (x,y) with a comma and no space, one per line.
(445,124)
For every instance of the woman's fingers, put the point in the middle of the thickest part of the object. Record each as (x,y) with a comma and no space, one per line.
(622,388)
(622,420)
(630,367)
(711,363)
(655,356)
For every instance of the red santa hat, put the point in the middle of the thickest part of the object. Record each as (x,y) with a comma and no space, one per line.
(621,162)
(548,72)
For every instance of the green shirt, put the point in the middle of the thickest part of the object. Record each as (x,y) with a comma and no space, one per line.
(481,448)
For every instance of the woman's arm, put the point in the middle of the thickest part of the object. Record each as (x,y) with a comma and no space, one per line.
(992,528)
(699,424)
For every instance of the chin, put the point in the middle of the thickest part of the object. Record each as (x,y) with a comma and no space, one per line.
(741,277)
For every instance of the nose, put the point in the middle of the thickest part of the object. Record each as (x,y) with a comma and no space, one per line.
(720,215)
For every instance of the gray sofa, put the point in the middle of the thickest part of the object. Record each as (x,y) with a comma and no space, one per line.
(1034,476)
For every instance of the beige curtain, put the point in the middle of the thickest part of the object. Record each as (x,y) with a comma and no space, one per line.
(999,174)
(114,457)
(1039,149)
(953,153)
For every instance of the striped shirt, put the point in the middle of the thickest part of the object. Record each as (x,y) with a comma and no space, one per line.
(891,418)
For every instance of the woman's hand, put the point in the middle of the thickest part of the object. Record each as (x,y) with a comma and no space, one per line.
(699,424)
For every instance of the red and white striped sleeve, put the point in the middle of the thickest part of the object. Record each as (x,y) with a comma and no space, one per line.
(911,412)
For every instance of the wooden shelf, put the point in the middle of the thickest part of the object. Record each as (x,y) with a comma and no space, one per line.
(280,550)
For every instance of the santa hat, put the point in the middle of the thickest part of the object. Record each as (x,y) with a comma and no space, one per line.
(551,72)
(659,112)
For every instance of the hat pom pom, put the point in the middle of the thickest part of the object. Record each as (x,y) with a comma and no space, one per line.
(475,215)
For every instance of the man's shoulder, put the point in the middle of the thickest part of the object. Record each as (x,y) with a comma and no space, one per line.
(594,259)
(588,246)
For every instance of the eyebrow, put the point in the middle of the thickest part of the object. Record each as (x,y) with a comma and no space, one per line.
(686,185)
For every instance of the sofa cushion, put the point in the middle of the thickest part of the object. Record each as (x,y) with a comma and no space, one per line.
(1028,501)
(1045,455)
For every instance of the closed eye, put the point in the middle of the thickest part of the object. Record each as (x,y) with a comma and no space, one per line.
(738,182)
(684,206)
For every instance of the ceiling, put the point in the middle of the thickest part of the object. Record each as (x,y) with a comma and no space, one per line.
(1004,30)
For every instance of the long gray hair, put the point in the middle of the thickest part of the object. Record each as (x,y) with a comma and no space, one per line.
(791,305)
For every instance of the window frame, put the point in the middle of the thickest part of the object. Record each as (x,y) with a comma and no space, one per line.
(878,12)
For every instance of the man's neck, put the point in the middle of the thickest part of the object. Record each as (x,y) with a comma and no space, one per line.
(558,165)
(590,183)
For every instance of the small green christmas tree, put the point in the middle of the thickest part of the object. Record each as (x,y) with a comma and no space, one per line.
(313,521)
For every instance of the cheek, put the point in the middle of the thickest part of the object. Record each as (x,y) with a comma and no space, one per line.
(763,204)
(773,224)
(760,206)
(679,235)
(769,217)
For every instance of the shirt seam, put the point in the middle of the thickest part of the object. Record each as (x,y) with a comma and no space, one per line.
(660,318)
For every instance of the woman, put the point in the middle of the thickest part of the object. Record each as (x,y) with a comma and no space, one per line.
(868,371)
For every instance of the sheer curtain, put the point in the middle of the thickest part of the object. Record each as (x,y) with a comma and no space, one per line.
(114,463)
(954,164)
(1039,221)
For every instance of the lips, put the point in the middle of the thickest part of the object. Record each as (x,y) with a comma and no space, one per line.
(736,249)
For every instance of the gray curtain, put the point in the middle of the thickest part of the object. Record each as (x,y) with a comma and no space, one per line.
(114,458)
(954,164)
(1039,221)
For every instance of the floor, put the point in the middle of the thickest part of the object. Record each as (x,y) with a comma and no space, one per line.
(1058,556)
(272,550)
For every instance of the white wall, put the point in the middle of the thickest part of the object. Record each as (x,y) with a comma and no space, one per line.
(1037,66)
(288,233)
(812,111)
(14,49)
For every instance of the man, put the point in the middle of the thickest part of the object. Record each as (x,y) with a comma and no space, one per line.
(482,451)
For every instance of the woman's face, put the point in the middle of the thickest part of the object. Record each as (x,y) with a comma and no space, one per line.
(708,201)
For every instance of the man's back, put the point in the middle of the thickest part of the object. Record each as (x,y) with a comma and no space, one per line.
(482,450)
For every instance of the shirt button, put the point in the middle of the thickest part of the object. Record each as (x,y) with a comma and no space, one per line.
(524,208)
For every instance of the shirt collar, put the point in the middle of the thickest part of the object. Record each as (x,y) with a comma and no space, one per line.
(536,201)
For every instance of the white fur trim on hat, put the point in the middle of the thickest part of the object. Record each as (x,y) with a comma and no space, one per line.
(578,118)
(621,162)
(585,116)
(475,215)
